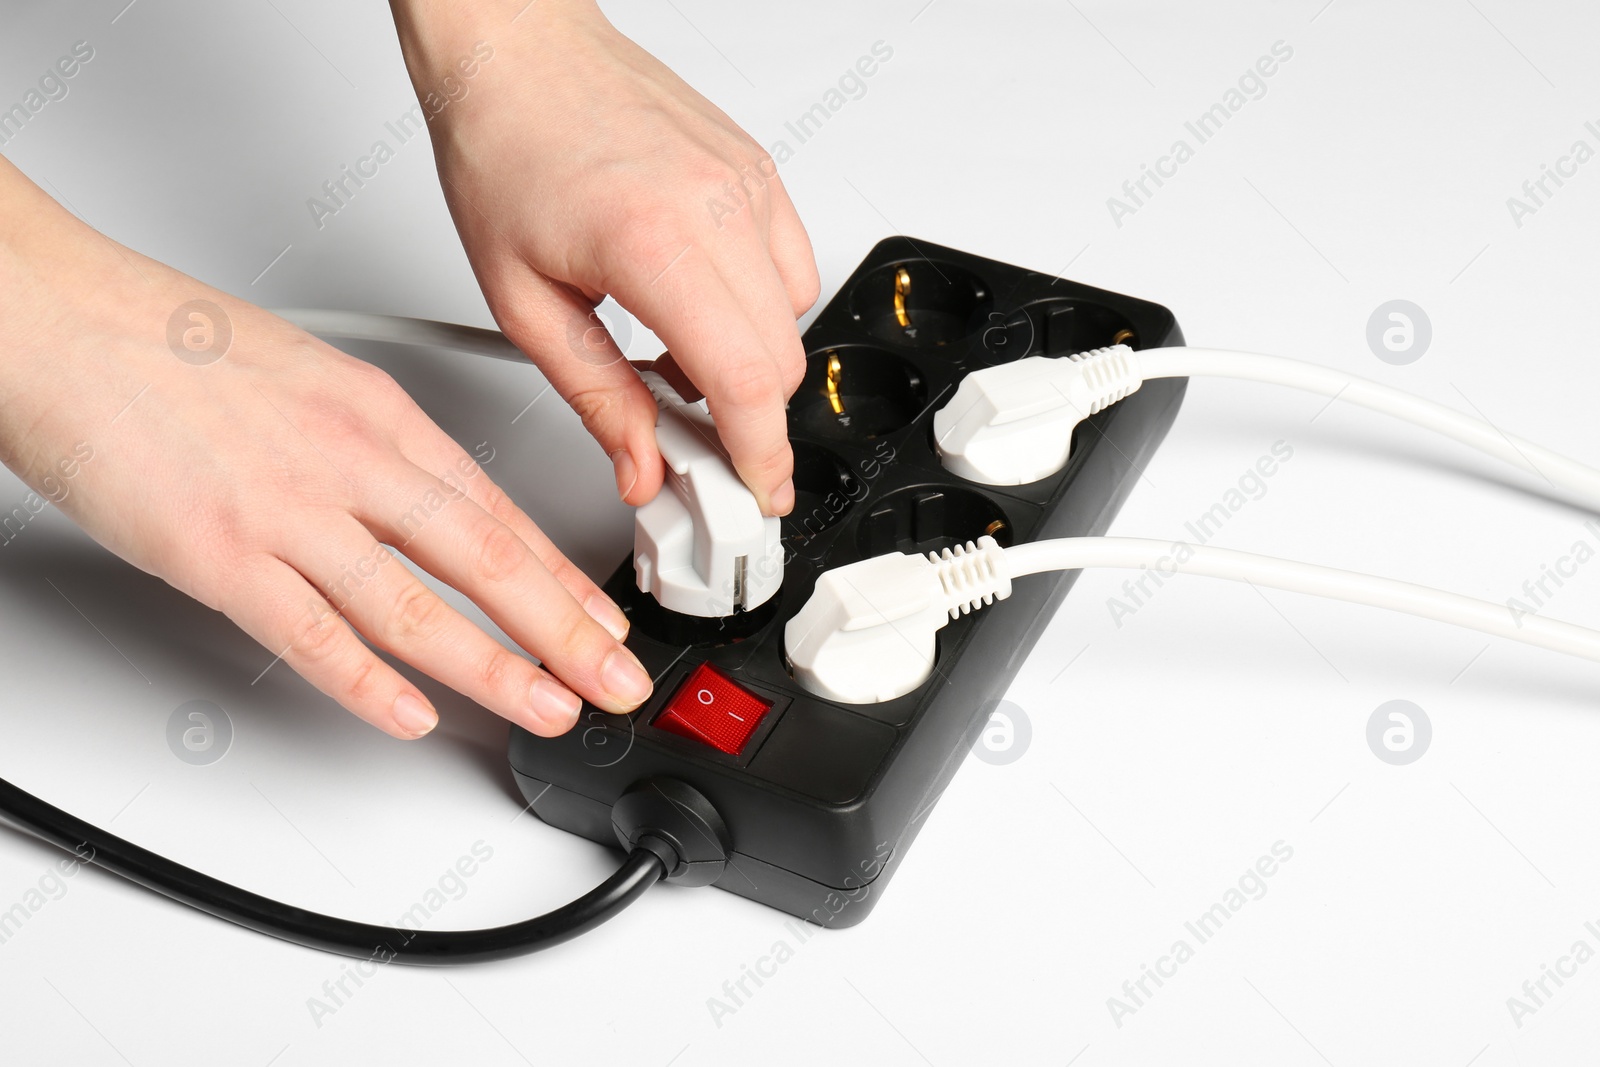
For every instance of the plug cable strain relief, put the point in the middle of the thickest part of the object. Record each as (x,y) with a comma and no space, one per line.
(1111,374)
(972,575)
(662,389)
(676,823)
(661,850)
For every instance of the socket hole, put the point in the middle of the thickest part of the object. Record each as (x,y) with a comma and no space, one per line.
(856,393)
(921,303)
(927,519)
(825,489)
(1059,326)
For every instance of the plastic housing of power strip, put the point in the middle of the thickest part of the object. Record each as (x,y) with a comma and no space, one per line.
(821,800)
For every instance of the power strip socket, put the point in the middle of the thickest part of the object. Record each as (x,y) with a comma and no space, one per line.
(822,799)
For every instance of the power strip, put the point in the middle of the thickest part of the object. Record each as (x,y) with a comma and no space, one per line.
(897,611)
(822,799)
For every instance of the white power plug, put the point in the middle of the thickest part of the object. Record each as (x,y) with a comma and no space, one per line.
(1012,424)
(701,546)
(869,631)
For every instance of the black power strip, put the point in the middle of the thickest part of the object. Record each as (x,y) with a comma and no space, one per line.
(821,800)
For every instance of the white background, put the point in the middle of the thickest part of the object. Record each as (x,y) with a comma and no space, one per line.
(1167,754)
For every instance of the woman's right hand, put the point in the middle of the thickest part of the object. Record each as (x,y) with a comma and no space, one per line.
(266,480)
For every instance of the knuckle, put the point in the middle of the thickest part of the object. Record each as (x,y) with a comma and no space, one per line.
(792,367)
(598,409)
(372,376)
(497,552)
(317,637)
(567,573)
(750,384)
(715,172)
(793,374)
(415,616)
(499,504)
(780,465)
(647,241)
(805,290)
(499,670)
(340,423)
(749,168)
(362,684)
(581,643)
(523,323)
(362,391)
(735,204)
(774,462)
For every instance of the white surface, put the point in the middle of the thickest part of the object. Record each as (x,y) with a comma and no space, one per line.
(1168,753)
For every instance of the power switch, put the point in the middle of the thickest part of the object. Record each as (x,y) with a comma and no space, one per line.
(711,708)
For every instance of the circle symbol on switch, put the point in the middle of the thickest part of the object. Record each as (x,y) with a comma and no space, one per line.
(1005,736)
(713,709)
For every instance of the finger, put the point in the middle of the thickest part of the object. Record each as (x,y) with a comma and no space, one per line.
(753,279)
(559,330)
(458,542)
(434,451)
(276,605)
(791,251)
(382,599)
(687,304)
(744,258)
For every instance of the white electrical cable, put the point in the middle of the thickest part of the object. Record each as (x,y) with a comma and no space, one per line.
(867,633)
(1561,472)
(1013,424)
(396,329)
(1137,553)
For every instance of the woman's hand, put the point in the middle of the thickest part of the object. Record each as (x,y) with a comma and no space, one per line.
(267,479)
(578,166)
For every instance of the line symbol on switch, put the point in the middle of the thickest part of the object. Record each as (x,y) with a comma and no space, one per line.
(713,709)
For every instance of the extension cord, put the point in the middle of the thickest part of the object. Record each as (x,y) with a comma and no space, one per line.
(810,807)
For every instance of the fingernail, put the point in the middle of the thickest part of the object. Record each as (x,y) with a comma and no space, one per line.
(624,678)
(627,473)
(413,716)
(554,705)
(603,610)
(782,499)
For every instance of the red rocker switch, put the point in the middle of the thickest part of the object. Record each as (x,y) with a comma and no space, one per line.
(710,708)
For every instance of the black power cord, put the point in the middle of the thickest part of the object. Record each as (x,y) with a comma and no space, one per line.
(671,832)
